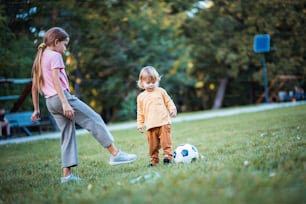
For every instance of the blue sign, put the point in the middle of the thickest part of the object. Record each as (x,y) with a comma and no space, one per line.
(262,43)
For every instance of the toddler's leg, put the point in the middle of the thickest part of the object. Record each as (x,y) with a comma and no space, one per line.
(154,145)
(166,142)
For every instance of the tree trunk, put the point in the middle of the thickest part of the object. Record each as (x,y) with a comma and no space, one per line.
(220,94)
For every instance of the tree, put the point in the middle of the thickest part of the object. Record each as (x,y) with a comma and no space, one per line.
(16,55)
(110,42)
(133,35)
(222,42)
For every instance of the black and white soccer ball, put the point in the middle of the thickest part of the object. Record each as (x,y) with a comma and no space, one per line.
(185,153)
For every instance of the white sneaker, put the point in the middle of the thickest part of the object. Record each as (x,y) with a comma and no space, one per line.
(122,158)
(71,177)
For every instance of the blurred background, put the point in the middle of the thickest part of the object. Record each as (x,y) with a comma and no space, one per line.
(202,49)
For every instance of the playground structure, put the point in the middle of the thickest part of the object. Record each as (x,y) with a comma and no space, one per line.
(283,88)
(20,98)
(21,120)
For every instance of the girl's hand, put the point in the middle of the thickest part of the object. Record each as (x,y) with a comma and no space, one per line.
(68,111)
(35,116)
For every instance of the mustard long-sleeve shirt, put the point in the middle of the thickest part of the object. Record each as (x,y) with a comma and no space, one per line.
(153,108)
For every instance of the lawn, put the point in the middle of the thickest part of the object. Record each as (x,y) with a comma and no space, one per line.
(247,158)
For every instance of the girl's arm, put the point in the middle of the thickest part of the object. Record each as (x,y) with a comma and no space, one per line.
(35,99)
(67,109)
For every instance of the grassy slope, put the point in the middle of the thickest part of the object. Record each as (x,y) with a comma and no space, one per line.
(248,158)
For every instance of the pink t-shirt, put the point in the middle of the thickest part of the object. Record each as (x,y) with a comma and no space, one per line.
(53,60)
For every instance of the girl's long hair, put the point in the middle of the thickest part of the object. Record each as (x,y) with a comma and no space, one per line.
(53,34)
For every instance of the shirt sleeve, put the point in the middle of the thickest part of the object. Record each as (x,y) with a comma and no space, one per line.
(140,113)
(168,101)
(57,62)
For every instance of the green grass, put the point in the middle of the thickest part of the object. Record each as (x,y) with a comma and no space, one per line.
(247,158)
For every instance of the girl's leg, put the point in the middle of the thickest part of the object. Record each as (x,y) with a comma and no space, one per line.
(68,138)
(88,119)
(112,149)
(66,171)
(68,141)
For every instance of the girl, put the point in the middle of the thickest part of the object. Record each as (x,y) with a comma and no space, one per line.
(50,79)
(154,108)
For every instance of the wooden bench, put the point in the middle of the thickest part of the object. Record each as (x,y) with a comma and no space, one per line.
(22,121)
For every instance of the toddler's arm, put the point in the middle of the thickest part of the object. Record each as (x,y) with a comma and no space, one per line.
(173,112)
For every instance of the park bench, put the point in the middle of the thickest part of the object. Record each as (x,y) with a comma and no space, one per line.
(22,121)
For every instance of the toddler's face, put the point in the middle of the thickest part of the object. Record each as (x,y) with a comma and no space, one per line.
(149,84)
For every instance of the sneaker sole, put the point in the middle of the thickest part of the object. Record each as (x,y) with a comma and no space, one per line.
(121,162)
(71,180)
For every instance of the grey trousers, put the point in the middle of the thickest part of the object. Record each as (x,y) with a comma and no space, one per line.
(85,117)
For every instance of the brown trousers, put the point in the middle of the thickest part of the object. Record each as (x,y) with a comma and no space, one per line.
(159,137)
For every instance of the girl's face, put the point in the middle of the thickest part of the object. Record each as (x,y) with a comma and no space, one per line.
(60,46)
(148,84)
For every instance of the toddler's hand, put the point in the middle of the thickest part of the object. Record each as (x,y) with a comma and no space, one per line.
(140,130)
(173,112)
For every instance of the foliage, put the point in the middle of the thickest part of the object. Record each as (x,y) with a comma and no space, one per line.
(111,40)
(138,36)
(226,31)
(262,161)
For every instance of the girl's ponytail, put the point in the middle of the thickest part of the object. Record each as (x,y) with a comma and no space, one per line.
(37,73)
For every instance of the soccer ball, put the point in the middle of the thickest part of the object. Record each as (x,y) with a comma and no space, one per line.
(185,153)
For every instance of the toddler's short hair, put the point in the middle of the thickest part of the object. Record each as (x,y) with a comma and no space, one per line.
(150,73)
